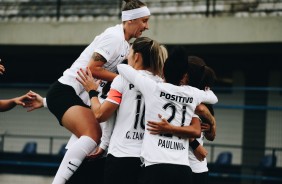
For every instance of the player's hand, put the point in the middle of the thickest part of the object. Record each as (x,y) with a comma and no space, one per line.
(86,79)
(201,153)
(205,127)
(35,102)
(98,153)
(161,127)
(24,99)
(2,69)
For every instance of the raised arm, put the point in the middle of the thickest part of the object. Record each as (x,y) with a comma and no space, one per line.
(140,82)
(208,96)
(127,72)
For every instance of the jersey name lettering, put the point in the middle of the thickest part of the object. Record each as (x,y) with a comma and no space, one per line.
(131,86)
(170,144)
(176,98)
(134,135)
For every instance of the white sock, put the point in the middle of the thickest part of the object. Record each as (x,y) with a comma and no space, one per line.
(73,158)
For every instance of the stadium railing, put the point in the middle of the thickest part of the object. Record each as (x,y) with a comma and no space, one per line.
(111,8)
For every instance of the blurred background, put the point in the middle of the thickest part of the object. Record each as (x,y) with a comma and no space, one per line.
(240,39)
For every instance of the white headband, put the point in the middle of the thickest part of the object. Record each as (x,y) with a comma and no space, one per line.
(135,13)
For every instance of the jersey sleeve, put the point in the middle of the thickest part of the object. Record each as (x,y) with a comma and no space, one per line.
(116,90)
(107,131)
(114,96)
(142,83)
(208,97)
(107,46)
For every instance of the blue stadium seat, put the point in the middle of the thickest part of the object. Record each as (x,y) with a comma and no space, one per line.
(268,161)
(62,150)
(30,148)
(224,158)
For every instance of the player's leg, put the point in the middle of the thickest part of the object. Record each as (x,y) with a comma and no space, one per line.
(81,122)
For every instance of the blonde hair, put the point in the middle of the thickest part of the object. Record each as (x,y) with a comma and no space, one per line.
(152,54)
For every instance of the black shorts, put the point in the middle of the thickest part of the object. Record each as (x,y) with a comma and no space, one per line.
(200,178)
(88,168)
(60,98)
(167,174)
(125,170)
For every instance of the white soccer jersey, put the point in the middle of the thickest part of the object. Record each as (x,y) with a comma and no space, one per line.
(127,136)
(111,44)
(177,105)
(196,165)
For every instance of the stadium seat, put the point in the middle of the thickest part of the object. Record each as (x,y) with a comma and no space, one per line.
(62,150)
(30,148)
(268,161)
(224,158)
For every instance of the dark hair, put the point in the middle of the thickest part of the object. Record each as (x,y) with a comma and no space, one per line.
(200,75)
(151,54)
(132,4)
(176,66)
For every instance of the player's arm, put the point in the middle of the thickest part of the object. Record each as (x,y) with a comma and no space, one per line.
(96,67)
(2,69)
(199,151)
(101,111)
(140,82)
(164,127)
(107,130)
(128,73)
(209,123)
(8,104)
(207,96)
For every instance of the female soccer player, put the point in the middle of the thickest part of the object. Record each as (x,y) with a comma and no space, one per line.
(123,163)
(165,155)
(66,98)
(200,76)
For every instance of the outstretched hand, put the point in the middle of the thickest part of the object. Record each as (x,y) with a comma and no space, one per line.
(86,79)
(35,102)
(24,99)
(2,69)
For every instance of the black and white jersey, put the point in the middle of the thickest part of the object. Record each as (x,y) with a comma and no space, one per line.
(176,104)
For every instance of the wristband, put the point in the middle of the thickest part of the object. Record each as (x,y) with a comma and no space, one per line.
(194,144)
(93,93)
(45,102)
